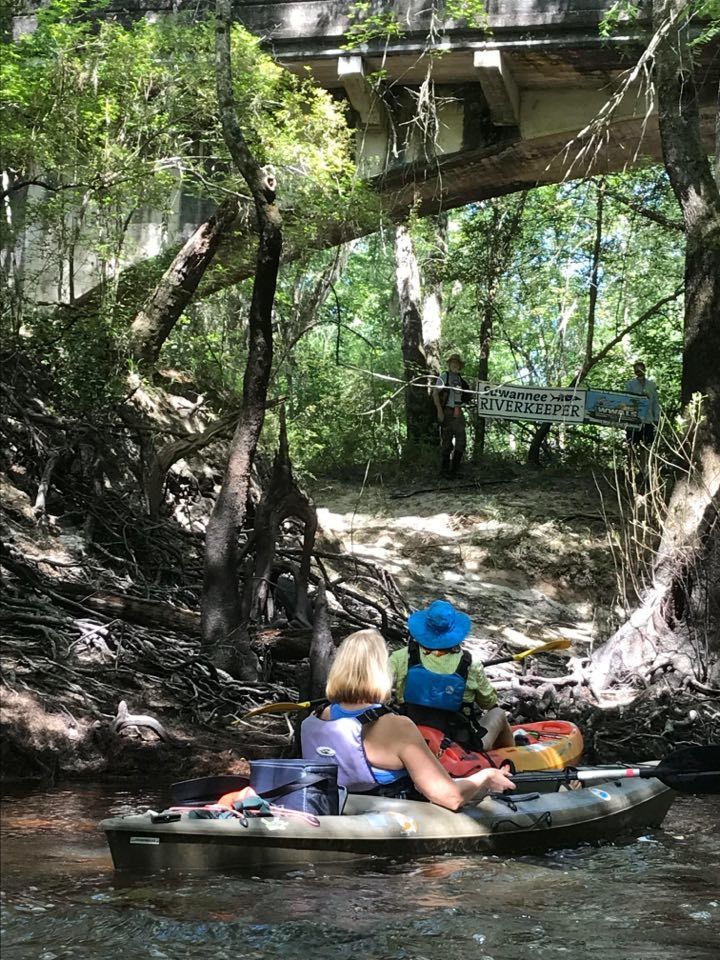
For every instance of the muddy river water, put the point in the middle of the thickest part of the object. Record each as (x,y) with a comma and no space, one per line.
(654,897)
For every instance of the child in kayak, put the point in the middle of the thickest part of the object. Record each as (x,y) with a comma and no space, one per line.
(440,686)
(376,750)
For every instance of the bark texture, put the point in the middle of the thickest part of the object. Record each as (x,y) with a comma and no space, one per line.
(419,411)
(505,229)
(433,301)
(161,311)
(679,618)
(225,638)
(284,499)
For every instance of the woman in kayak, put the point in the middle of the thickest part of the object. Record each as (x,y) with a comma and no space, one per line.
(376,750)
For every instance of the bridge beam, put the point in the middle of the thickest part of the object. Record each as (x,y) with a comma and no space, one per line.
(364,100)
(498,85)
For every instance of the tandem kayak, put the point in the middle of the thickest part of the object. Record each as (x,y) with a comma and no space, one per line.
(377,826)
(553,745)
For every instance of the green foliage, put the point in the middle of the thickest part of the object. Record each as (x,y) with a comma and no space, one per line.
(367,23)
(105,121)
(541,308)
(472,12)
(619,14)
(114,117)
(708,11)
(338,356)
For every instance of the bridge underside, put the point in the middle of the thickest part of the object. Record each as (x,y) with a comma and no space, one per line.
(506,104)
(513,110)
(507,108)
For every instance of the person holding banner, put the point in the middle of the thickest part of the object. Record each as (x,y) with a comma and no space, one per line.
(450,393)
(642,436)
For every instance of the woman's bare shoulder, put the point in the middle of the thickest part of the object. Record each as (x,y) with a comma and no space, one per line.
(398,726)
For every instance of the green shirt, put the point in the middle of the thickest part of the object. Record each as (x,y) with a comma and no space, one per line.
(478,688)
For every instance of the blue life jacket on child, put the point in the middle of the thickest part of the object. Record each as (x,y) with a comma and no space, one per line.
(436,691)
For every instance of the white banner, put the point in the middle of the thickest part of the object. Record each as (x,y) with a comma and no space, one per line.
(531,403)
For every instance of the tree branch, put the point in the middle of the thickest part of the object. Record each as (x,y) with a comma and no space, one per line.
(647,212)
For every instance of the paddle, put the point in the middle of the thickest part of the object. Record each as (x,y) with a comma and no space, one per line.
(543,648)
(687,770)
(283,707)
(205,789)
(287,707)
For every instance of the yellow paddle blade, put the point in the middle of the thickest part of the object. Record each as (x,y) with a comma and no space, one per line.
(550,645)
(274,708)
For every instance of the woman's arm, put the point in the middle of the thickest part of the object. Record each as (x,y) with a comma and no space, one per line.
(395,741)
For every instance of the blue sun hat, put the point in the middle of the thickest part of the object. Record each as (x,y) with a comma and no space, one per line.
(440,627)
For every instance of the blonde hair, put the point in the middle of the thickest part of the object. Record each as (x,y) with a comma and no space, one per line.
(360,671)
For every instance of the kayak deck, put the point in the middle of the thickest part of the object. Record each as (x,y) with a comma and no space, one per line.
(376,826)
(554,744)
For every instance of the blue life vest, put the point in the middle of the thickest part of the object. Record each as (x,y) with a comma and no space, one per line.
(437,691)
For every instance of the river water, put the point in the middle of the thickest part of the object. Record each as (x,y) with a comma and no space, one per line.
(658,896)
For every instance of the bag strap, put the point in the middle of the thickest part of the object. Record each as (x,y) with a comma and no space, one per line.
(372,714)
(286,788)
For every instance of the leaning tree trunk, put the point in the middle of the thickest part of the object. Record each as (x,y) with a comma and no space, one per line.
(163,308)
(224,635)
(419,410)
(679,618)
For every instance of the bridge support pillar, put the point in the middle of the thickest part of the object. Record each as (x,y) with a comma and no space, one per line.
(365,102)
(499,87)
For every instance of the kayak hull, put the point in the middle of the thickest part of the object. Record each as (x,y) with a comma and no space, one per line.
(554,745)
(376,826)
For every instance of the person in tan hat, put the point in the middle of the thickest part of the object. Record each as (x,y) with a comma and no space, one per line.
(450,393)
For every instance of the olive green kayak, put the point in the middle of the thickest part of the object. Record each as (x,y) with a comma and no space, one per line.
(376,826)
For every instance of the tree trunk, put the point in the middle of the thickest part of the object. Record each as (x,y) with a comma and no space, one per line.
(283,499)
(505,227)
(680,615)
(588,361)
(433,300)
(161,311)
(322,647)
(419,410)
(224,636)
(486,329)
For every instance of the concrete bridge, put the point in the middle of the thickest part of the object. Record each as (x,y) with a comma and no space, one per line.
(460,113)
(463,113)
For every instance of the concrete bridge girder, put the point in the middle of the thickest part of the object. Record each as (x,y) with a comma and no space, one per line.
(541,70)
(509,101)
(527,114)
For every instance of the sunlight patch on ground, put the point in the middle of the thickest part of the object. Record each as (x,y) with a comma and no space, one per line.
(513,564)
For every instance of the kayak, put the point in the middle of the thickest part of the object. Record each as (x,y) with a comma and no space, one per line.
(377,826)
(554,744)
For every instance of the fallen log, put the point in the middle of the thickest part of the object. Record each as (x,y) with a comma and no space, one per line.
(144,613)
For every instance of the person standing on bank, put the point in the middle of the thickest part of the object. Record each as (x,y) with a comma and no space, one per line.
(643,436)
(451,391)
